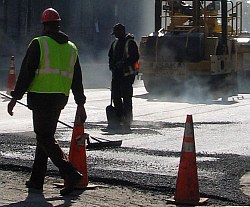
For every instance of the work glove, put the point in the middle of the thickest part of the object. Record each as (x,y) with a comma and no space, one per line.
(81,115)
(11,106)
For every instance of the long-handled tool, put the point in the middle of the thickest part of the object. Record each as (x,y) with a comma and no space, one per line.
(102,143)
(98,142)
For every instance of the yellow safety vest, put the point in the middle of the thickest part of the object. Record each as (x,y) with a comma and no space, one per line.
(56,67)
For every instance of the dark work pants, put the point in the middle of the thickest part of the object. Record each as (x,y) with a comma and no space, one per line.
(122,93)
(45,123)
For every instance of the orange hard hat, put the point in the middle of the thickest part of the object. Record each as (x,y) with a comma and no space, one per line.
(50,15)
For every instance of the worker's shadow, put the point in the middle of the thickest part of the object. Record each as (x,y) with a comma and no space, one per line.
(33,199)
(191,99)
(38,199)
(4,99)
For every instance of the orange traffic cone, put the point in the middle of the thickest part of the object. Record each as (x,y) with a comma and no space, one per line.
(77,152)
(12,76)
(187,187)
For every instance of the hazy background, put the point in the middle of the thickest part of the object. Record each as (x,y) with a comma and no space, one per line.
(87,22)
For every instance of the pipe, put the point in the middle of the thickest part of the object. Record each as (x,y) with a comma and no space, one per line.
(196,13)
(158,9)
(224,25)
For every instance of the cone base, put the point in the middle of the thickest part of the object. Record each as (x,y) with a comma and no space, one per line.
(78,187)
(88,187)
(200,202)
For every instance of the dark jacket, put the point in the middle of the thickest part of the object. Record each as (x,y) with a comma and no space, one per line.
(118,55)
(27,72)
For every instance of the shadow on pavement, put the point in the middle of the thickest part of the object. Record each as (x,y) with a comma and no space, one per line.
(38,199)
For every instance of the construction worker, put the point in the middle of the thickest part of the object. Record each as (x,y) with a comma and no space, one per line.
(49,70)
(123,55)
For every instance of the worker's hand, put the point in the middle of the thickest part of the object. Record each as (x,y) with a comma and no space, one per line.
(81,115)
(11,105)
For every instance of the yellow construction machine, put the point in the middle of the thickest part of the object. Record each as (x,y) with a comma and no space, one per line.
(198,47)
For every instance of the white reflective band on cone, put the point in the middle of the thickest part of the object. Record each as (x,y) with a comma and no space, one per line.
(189,132)
(81,140)
(188,147)
(12,72)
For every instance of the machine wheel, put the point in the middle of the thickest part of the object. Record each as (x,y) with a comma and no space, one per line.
(161,85)
(243,82)
(149,83)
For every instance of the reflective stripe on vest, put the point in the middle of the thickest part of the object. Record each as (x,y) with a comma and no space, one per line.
(56,67)
(131,69)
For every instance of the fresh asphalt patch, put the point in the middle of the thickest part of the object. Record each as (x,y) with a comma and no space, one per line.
(219,174)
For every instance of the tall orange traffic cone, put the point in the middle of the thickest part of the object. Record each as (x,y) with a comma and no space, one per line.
(77,152)
(187,187)
(12,76)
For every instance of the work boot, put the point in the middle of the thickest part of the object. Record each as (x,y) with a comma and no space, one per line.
(127,124)
(71,182)
(33,187)
(126,128)
(116,126)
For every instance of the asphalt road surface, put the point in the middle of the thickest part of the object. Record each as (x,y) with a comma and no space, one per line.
(149,156)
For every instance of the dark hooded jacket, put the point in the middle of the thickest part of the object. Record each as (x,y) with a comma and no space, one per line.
(27,73)
(118,55)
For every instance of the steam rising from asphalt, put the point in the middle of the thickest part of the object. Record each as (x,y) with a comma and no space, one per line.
(139,20)
(95,68)
(95,71)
